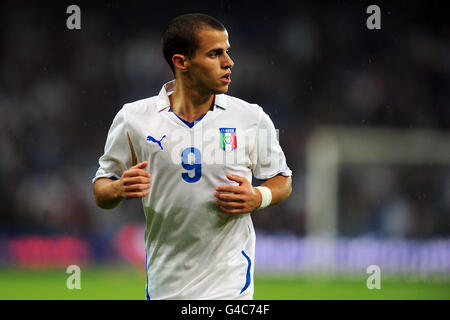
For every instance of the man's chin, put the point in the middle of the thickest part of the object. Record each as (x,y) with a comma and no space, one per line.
(222,90)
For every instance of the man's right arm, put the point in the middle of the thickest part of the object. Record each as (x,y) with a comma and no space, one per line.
(134,183)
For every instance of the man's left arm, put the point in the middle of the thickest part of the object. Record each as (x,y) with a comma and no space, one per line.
(280,186)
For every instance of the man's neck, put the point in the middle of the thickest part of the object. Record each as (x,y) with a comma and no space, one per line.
(190,104)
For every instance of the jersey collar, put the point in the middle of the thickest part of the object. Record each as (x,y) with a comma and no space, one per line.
(163,101)
(220,101)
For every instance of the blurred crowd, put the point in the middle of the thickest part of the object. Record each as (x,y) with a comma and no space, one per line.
(306,64)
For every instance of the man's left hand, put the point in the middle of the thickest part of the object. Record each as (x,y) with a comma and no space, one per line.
(243,198)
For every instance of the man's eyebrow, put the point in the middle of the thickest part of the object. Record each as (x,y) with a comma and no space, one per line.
(218,50)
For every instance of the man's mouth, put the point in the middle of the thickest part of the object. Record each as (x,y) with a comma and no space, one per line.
(226,78)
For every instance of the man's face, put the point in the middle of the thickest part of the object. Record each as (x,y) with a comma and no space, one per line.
(210,67)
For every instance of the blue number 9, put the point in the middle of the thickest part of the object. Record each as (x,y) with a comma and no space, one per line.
(197,166)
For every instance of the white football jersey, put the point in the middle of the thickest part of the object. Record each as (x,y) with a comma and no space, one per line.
(195,250)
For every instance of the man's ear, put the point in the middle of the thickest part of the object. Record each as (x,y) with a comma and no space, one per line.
(180,62)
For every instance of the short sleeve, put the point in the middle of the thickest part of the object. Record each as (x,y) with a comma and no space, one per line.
(117,155)
(268,158)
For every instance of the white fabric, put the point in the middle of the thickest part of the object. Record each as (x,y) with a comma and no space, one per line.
(194,250)
(266,196)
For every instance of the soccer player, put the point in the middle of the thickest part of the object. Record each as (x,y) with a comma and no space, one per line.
(189,154)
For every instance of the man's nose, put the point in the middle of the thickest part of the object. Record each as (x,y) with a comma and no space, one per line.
(228,64)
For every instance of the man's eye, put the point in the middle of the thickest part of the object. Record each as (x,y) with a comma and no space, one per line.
(213,54)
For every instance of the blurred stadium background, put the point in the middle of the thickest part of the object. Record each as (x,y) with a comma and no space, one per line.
(364,119)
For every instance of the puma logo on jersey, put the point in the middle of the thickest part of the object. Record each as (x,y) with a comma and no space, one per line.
(151,139)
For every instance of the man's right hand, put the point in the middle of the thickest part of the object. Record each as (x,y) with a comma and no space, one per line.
(134,183)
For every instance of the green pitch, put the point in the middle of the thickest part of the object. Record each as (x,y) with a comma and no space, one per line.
(126,283)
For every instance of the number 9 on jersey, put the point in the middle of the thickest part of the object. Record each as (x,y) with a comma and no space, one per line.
(191,159)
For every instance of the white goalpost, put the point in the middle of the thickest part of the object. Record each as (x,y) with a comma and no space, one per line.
(329,147)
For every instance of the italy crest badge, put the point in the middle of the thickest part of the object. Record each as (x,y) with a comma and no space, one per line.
(228,139)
